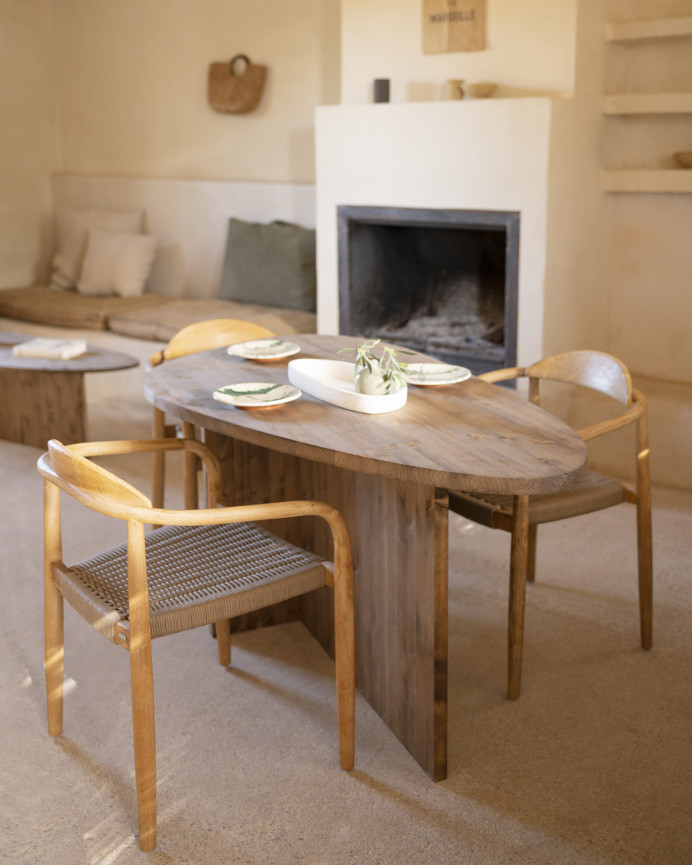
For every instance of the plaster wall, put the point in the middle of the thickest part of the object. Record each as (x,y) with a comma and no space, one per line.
(649,260)
(189,219)
(538,156)
(132,80)
(576,308)
(28,137)
(530,50)
(649,284)
(617,265)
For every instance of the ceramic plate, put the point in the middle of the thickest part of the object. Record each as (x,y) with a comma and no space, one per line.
(264,349)
(256,394)
(435,374)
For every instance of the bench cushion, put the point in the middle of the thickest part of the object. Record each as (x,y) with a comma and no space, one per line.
(69,308)
(147,316)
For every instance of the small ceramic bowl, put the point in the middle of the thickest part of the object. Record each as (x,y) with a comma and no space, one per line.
(479,90)
(684,158)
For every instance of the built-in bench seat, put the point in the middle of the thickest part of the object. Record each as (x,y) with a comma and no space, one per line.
(147,316)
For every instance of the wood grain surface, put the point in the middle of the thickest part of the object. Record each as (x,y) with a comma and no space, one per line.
(471,435)
(93,360)
(388,475)
(43,398)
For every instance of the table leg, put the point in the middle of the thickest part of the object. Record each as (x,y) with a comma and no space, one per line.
(37,405)
(399,535)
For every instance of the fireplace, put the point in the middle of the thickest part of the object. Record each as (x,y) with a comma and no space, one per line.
(443,282)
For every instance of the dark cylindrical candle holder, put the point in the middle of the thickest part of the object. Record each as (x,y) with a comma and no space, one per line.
(381,89)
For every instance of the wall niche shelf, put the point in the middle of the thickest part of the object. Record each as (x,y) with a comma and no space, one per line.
(651,180)
(654,28)
(647,104)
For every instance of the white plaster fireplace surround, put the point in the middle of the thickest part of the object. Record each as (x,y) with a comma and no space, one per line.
(523,155)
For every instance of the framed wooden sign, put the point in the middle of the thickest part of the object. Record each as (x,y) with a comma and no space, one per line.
(453,25)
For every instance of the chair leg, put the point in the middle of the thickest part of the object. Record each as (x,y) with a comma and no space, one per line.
(159,460)
(644,539)
(517,594)
(345,664)
(142,684)
(53,611)
(190,465)
(222,630)
(531,561)
(55,654)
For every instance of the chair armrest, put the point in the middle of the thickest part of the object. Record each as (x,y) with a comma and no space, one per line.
(235,513)
(503,374)
(632,415)
(145,514)
(133,446)
(116,448)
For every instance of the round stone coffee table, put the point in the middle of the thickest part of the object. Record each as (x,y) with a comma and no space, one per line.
(43,398)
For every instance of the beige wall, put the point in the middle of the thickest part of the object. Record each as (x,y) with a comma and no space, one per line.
(132,86)
(118,89)
(28,136)
(530,50)
(650,284)
(649,254)
(95,87)
(617,272)
(455,154)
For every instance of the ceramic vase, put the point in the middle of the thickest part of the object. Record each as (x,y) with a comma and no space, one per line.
(370,381)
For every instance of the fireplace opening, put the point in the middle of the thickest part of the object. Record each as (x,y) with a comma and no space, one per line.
(443,282)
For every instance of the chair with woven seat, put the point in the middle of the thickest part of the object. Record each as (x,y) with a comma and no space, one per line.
(202,566)
(200,336)
(521,515)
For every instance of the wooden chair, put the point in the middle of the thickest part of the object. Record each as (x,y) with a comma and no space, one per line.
(200,336)
(521,515)
(201,567)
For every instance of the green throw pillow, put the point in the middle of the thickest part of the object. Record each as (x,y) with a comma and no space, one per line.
(273,265)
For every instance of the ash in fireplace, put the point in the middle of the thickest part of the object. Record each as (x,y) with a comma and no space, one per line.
(465,318)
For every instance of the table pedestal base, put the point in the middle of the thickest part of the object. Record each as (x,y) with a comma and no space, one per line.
(399,536)
(38,405)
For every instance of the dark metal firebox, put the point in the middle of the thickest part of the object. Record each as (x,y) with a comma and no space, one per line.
(443,282)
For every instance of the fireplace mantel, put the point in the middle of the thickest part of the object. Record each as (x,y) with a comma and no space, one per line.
(519,155)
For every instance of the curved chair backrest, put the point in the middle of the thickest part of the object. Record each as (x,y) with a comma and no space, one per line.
(89,483)
(594,369)
(212,333)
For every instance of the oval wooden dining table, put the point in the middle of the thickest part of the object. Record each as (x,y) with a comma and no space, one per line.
(389,474)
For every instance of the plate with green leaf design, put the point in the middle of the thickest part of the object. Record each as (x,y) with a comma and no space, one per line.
(256,394)
(264,349)
(434,374)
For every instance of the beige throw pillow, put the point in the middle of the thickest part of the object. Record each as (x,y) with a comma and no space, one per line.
(116,263)
(73,231)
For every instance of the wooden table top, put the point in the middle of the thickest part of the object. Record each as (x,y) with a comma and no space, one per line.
(94,360)
(470,436)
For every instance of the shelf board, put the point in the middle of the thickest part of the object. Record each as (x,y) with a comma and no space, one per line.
(655,28)
(631,180)
(648,103)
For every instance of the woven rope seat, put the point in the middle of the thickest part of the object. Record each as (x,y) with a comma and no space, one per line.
(584,377)
(593,493)
(227,570)
(200,566)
